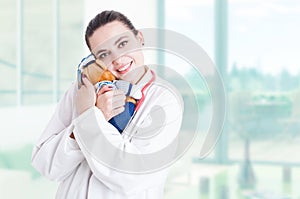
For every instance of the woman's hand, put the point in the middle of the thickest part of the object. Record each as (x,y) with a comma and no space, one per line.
(110,102)
(85,97)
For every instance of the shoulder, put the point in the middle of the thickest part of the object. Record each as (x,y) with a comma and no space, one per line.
(70,92)
(66,102)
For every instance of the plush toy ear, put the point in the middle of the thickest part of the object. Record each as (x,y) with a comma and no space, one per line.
(96,71)
(93,72)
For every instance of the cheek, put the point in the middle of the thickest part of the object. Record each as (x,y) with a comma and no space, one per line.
(139,58)
(111,68)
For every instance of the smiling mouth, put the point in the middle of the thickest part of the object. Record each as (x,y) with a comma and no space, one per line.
(125,68)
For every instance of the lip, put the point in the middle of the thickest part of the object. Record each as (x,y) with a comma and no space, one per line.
(127,66)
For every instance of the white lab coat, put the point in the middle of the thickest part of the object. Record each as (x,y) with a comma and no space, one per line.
(77,164)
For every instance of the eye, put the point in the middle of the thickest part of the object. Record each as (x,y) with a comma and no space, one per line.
(122,44)
(103,55)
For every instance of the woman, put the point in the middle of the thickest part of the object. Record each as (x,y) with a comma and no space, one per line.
(84,152)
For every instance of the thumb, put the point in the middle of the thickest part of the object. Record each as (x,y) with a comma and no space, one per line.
(86,82)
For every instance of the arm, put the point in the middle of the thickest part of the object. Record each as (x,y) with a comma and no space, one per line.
(103,146)
(56,155)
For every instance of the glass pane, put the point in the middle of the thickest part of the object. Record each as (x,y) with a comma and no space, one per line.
(264,80)
(21,126)
(8,30)
(264,90)
(194,20)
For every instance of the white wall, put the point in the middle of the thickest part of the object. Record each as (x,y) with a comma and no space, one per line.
(143,14)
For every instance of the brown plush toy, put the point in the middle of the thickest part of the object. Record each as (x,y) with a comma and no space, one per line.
(97,71)
(99,75)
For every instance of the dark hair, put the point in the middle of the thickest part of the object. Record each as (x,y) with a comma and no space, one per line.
(106,17)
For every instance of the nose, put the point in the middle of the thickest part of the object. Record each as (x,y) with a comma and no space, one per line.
(120,61)
(112,62)
(117,61)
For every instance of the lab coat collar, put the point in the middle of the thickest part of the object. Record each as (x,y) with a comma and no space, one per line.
(146,77)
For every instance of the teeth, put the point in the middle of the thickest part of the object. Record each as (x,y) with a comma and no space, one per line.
(124,68)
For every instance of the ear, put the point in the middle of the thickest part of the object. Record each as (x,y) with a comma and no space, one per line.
(140,38)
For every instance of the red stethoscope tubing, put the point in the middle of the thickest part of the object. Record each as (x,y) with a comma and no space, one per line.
(140,102)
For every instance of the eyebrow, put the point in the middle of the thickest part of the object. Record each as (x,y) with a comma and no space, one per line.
(120,39)
(100,51)
(116,42)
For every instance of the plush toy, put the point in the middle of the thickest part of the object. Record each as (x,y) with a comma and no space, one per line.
(98,74)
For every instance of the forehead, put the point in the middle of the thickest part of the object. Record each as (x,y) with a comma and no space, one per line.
(109,31)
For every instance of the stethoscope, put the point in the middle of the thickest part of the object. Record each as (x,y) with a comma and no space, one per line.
(140,102)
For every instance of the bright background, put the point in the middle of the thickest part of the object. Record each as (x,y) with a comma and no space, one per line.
(41,43)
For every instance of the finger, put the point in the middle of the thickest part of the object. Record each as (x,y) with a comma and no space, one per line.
(104,89)
(118,103)
(120,97)
(117,111)
(118,92)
